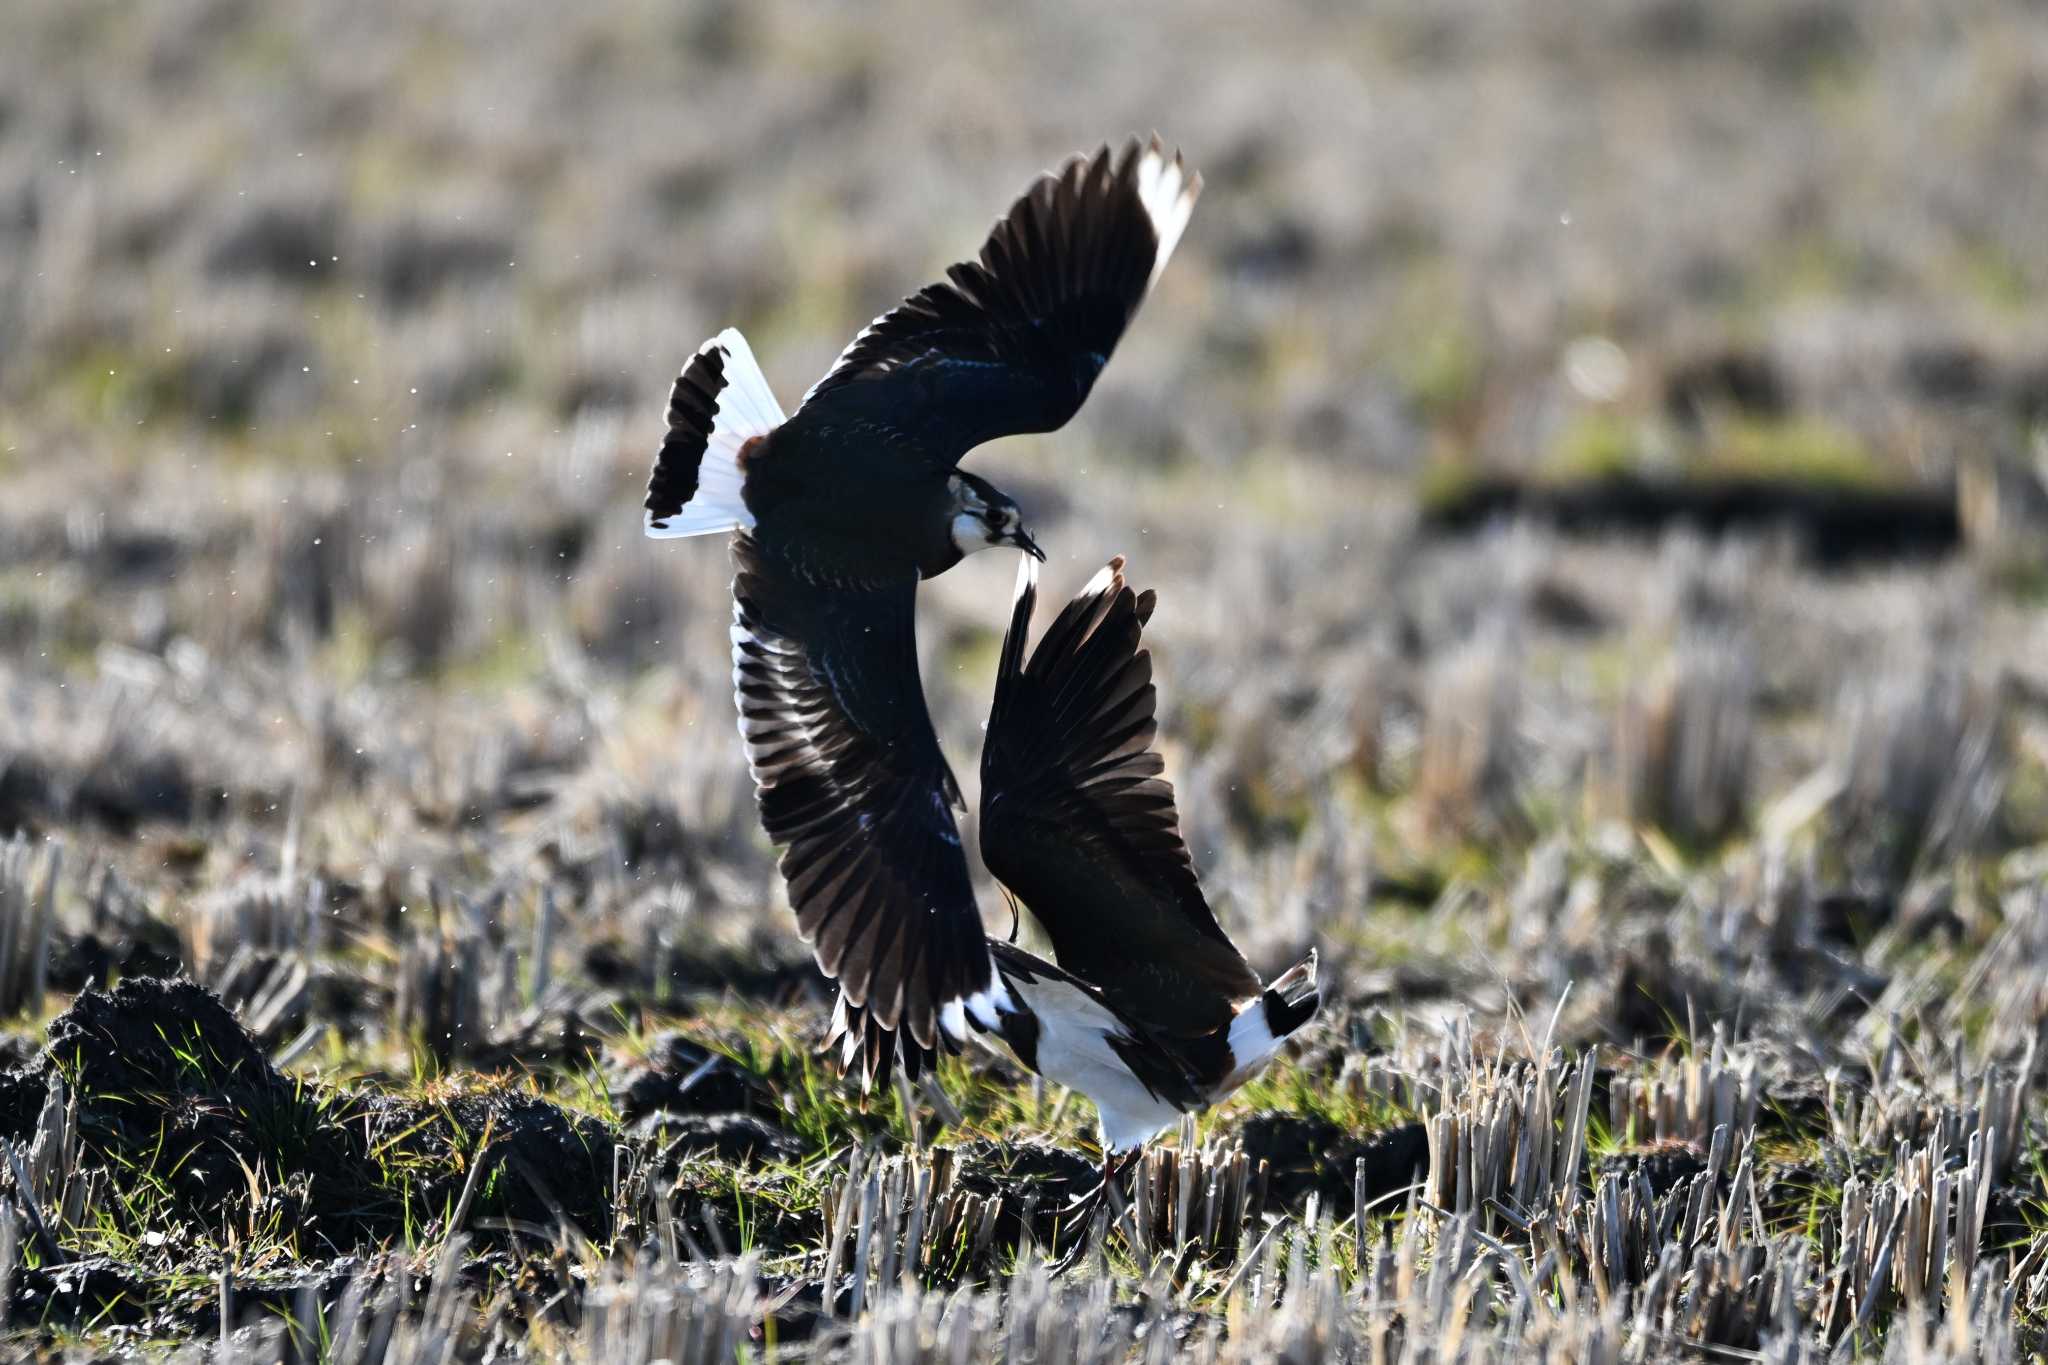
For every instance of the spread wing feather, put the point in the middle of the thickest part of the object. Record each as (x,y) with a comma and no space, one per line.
(1078,822)
(852,785)
(1013,340)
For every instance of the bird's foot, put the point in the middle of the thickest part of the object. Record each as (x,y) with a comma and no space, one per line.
(1084,1211)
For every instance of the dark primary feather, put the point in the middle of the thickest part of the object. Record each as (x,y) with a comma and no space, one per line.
(861,1039)
(851,783)
(692,411)
(1012,341)
(1076,820)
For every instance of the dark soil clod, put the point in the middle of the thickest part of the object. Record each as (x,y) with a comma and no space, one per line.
(733,1139)
(1308,1155)
(555,1167)
(1665,1166)
(97,1291)
(682,1076)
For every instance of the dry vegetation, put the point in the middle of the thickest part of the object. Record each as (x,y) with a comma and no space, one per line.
(1594,476)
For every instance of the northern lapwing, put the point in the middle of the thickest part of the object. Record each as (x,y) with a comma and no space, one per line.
(862,487)
(1152,1011)
(841,509)
(1149,1009)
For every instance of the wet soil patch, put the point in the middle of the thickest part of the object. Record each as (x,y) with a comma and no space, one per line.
(1838,526)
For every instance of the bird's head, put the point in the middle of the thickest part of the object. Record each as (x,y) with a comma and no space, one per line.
(984,515)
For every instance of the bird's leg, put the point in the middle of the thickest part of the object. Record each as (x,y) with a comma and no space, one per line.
(1112,1167)
(1112,1190)
(1080,1213)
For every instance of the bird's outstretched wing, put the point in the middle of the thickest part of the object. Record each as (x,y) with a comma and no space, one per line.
(1077,821)
(1012,341)
(851,783)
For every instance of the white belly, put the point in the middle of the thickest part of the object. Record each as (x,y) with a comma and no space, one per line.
(1074,1051)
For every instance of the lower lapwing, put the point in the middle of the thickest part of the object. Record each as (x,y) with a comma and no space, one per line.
(1149,1009)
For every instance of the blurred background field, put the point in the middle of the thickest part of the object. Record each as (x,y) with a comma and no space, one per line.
(1594,465)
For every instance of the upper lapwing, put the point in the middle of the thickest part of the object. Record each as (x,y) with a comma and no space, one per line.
(841,509)
(1151,1011)
(862,487)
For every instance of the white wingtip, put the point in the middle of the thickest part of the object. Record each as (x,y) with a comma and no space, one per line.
(1027,575)
(1104,577)
(1168,192)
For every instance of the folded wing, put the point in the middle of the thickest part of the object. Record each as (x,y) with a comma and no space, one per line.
(1077,821)
(851,783)
(1012,341)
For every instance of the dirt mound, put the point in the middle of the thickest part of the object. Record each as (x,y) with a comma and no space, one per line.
(154,1034)
(552,1167)
(168,1082)
(1015,1170)
(101,1292)
(21,1100)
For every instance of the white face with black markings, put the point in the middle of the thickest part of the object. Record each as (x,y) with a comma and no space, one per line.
(985,517)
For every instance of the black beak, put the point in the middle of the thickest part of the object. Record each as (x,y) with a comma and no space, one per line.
(1021,538)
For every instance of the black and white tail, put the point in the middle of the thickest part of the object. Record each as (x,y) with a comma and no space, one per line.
(1262,1025)
(720,404)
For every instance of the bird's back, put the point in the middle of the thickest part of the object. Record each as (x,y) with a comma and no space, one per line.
(830,503)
